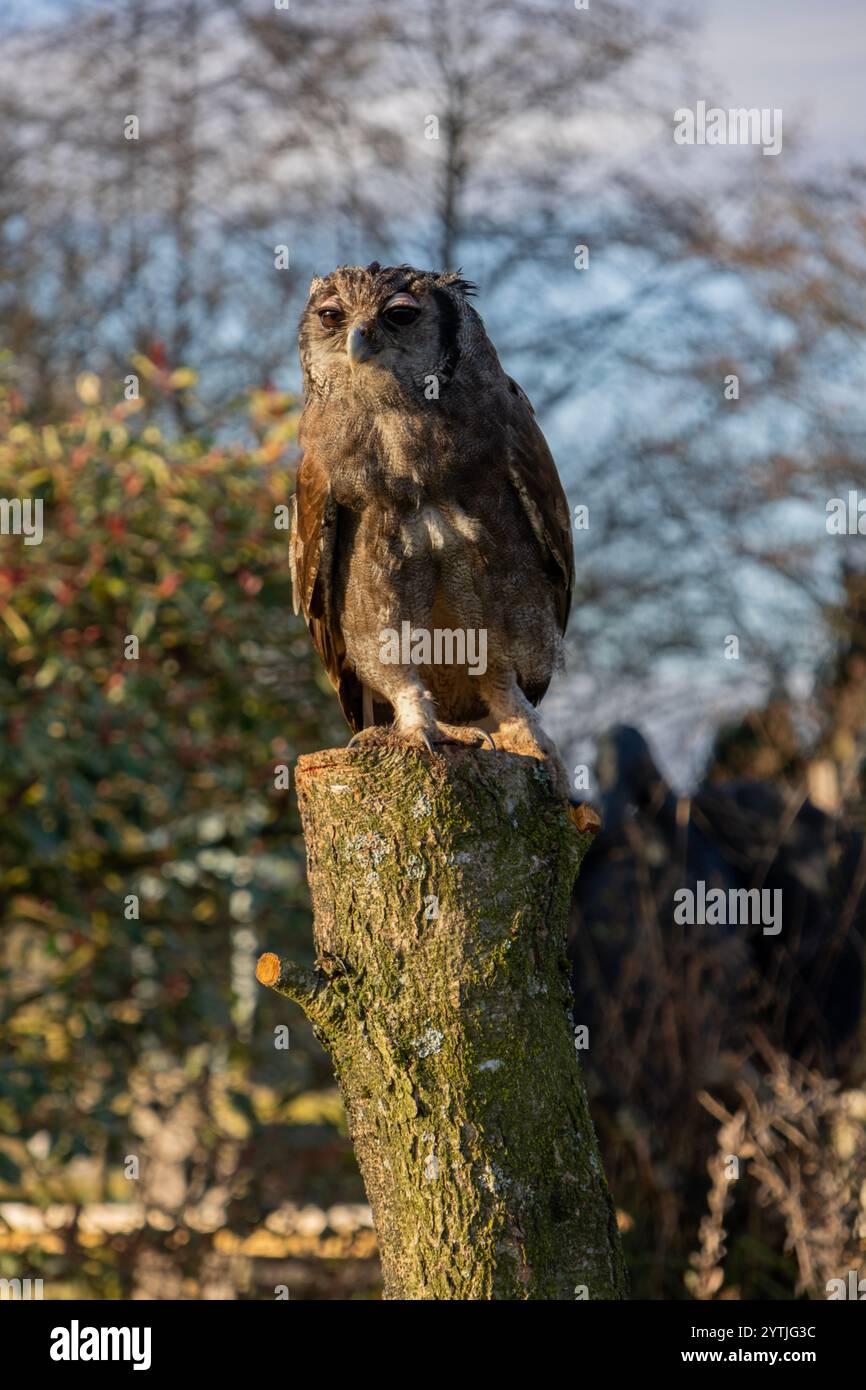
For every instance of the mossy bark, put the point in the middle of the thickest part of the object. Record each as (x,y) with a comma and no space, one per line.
(440,889)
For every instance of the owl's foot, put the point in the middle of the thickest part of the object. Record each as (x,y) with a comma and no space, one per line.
(465,734)
(415,723)
(434,734)
(389,736)
(377,736)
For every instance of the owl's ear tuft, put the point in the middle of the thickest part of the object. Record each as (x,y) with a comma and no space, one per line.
(316,284)
(454,279)
(373,268)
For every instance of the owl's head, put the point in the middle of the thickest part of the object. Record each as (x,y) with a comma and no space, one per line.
(372,330)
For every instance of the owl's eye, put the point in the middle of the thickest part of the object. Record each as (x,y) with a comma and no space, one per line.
(401,312)
(330,315)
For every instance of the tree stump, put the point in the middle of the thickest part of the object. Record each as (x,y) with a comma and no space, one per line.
(440,888)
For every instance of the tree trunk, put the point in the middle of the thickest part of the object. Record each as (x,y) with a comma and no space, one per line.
(440,890)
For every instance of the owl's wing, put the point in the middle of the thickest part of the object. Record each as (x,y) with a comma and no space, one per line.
(535,480)
(312,552)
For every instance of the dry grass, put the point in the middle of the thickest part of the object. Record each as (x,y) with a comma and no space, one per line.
(686,1069)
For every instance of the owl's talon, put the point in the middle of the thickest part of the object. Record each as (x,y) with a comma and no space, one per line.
(419,738)
(463,735)
(374,736)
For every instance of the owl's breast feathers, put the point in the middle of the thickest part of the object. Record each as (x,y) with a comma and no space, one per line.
(517,452)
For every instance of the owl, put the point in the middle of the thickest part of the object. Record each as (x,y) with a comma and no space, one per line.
(431,550)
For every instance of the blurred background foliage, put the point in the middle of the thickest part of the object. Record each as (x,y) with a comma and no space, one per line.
(137,1029)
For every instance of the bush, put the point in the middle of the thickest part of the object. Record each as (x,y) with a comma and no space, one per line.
(152,682)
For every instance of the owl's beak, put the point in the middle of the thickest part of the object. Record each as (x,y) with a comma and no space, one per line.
(358,345)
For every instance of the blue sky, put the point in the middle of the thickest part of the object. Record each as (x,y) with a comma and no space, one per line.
(807,58)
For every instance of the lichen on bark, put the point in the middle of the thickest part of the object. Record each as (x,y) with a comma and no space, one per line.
(440,888)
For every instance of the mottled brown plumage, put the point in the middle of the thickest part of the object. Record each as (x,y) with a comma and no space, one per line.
(426,495)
